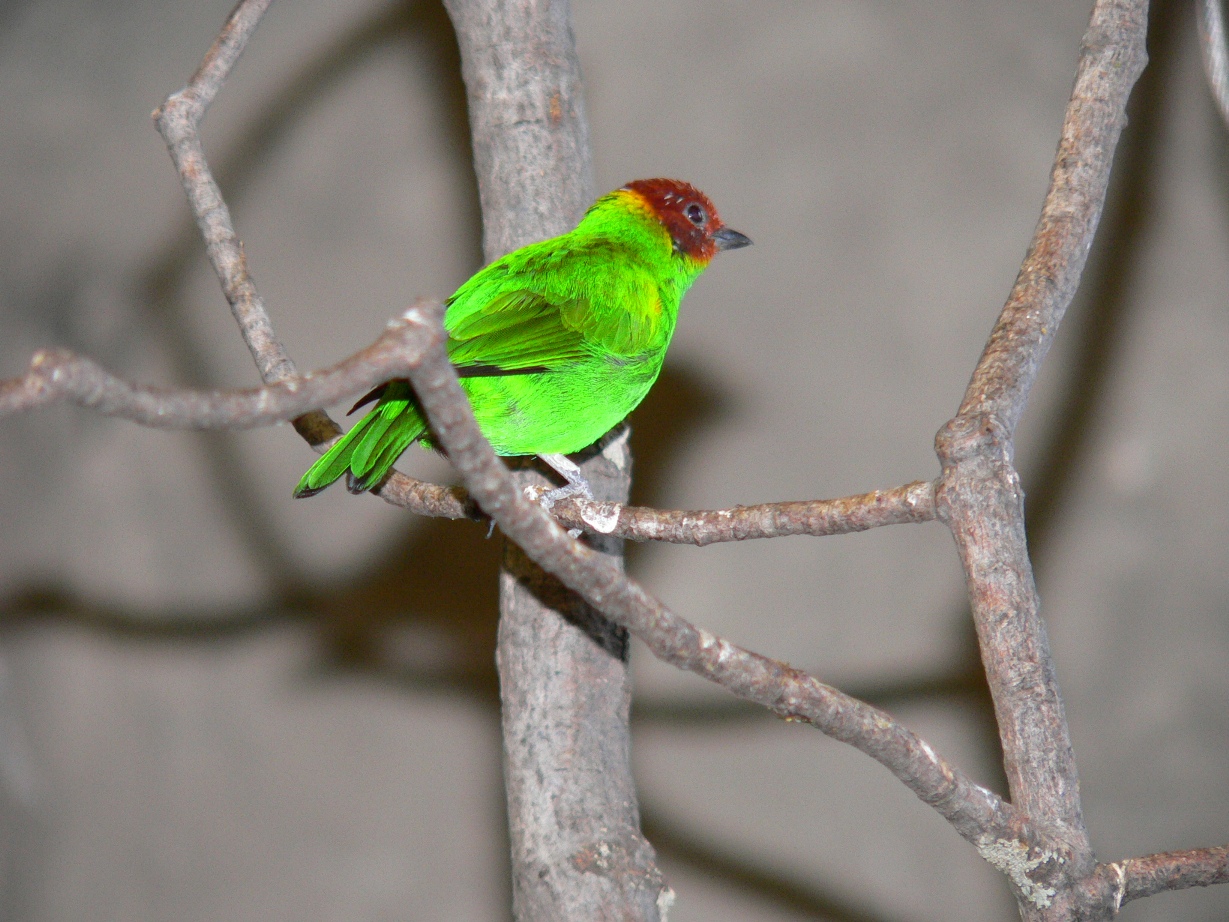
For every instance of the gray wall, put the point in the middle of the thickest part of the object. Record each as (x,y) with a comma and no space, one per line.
(219,703)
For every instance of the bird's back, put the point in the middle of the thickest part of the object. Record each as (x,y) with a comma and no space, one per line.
(589,314)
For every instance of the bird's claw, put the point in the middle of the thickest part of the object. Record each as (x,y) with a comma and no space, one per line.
(567,491)
(576,485)
(547,498)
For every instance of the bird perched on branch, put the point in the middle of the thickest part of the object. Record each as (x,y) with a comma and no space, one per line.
(555,343)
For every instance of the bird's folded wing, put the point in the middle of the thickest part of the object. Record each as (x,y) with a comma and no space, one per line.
(516,331)
(619,314)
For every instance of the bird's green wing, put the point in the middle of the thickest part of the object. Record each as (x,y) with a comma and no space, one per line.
(554,321)
(516,331)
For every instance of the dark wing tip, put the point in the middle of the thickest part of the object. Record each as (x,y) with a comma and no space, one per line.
(372,395)
(366,483)
(303,491)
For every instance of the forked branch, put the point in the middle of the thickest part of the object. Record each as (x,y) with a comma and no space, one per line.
(979,495)
(59,374)
(976,813)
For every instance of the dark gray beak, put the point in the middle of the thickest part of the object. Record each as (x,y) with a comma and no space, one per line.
(728,239)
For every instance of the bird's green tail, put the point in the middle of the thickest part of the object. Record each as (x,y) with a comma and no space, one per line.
(368,451)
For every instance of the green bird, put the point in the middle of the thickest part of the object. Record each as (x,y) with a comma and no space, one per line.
(555,343)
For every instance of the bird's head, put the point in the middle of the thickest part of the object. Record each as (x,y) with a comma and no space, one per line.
(688,216)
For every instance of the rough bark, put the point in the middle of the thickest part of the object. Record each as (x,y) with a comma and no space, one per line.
(979,495)
(577,852)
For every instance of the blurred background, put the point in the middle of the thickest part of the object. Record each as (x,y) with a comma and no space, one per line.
(219,703)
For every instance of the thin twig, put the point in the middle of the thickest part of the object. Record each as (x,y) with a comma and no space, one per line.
(429,499)
(1113,885)
(1196,867)
(975,812)
(178,120)
(910,504)
(1112,58)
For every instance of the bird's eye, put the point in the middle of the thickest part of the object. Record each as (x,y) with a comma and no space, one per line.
(695,214)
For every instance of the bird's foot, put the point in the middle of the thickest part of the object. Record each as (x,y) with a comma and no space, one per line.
(547,498)
(576,485)
(550,497)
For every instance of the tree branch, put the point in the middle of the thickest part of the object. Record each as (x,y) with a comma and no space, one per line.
(1139,877)
(1106,891)
(565,690)
(979,494)
(977,814)
(178,120)
(913,503)
(61,374)
(1112,57)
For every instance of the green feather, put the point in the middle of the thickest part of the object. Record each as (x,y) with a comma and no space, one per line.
(384,420)
(332,464)
(365,449)
(395,441)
